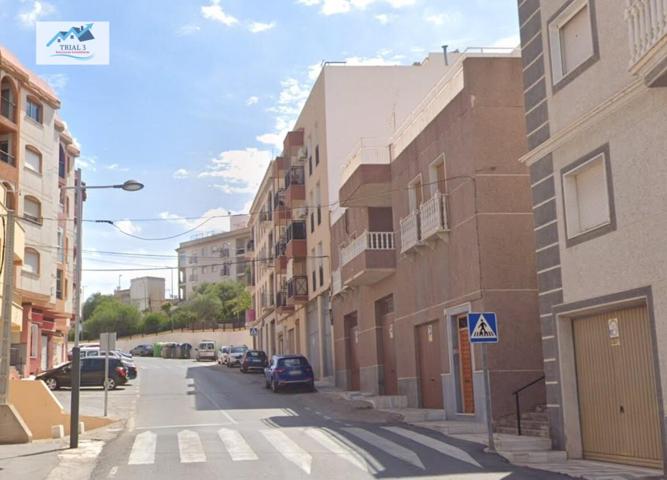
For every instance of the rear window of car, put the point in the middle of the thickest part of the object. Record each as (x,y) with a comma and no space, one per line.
(238,349)
(206,346)
(293,362)
(257,354)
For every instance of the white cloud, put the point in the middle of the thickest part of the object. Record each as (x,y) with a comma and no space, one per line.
(238,171)
(385,18)
(115,167)
(38,10)
(85,162)
(57,81)
(257,27)
(333,7)
(308,3)
(401,3)
(214,11)
(181,173)
(214,220)
(188,29)
(512,41)
(128,226)
(252,101)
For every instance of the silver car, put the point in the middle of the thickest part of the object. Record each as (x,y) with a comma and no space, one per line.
(235,355)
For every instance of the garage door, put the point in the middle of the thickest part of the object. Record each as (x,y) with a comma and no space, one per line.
(429,369)
(618,403)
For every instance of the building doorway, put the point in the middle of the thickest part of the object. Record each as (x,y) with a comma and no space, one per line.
(429,364)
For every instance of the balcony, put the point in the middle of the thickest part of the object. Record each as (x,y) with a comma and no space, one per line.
(296,240)
(295,185)
(368,259)
(7,157)
(336,282)
(366,176)
(282,212)
(433,215)
(266,216)
(410,234)
(647,26)
(281,256)
(297,290)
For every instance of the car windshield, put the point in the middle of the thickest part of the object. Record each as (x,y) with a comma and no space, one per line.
(239,349)
(256,354)
(206,346)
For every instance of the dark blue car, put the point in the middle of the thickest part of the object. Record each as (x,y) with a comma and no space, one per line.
(288,370)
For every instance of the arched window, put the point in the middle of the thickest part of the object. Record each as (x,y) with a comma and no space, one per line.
(33,159)
(32,209)
(10,197)
(31,261)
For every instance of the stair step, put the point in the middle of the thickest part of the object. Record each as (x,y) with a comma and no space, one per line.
(523,424)
(524,433)
(551,456)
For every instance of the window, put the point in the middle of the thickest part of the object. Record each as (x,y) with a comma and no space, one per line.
(59,284)
(6,152)
(33,159)
(34,110)
(32,210)
(310,165)
(61,245)
(317,155)
(415,193)
(572,41)
(318,201)
(320,261)
(34,340)
(31,261)
(62,162)
(437,179)
(588,197)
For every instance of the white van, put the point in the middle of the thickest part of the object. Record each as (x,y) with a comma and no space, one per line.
(205,351)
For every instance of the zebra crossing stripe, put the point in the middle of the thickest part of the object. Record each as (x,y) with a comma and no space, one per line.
(236,445)
(387,446)
(334,446)
(143,449)
(434,444)
(190,448)
(289,449)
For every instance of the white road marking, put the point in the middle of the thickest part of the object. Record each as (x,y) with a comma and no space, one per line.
(437,445)
(289,449)
(192,425)
(236,445)
(389,447)
(113,472)
(334,446)
(143,449)
(190,447)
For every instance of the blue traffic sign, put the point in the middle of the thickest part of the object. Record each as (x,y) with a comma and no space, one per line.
(483,327)
(253,332)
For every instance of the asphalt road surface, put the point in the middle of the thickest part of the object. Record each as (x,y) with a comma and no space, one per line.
(202,421)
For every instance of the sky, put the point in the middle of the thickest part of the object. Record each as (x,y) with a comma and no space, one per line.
(199,94)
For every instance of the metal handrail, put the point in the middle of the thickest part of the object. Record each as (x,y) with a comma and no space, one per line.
(517,403)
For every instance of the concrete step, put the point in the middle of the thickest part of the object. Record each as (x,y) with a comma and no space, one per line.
(523,458)
(453,427)
(516,443)
(416,415)
(541,433)
(387,402)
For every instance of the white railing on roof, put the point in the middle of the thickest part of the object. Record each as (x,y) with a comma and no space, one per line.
(367,241)
(371,150)
(410,231)
(433,215)
(647,25)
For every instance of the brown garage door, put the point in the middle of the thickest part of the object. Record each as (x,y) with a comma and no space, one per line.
(617,390)
(389,355)
(428,354)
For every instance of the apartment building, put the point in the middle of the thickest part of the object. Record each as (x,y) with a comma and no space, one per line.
(145,293)
(345,104)
(594,77)
(439,228)
(37,156)
(214,258)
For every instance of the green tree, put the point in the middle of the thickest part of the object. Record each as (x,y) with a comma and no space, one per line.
(207,308)
(154,322)
(112,316)
(92,302)
(183,317)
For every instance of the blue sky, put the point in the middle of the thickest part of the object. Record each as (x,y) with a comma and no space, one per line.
(199,93)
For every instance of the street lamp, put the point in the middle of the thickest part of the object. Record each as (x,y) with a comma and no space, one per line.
(80,190)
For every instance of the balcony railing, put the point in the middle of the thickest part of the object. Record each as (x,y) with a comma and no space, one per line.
(297,286)
(8,108)
(281,299)
(295,176)
(367,241)
(410,236)
(7,158)
(647,25)
(433,216)
(266,216)
(296,231)
(281,248)
(336,282)
(279,199)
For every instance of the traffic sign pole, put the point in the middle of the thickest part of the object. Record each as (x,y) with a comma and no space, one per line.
(487,388)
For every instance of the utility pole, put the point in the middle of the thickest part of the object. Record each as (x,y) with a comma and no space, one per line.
(7,297)
(79,192)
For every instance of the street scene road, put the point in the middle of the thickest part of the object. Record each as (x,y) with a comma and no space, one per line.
(201,419)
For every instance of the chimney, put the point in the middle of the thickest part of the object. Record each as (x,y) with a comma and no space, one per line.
(444,52)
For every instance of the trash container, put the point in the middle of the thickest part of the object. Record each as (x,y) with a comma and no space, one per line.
(169,350)
(184,350)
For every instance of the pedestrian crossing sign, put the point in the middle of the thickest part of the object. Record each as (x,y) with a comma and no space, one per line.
(483,327)
(253,332)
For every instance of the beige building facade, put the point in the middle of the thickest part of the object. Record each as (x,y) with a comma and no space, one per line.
(594,77)
(145,293)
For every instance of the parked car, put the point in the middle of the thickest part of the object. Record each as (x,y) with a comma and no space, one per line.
(143,350)
(92,374)
(223,352)
(235,355)
(205,350)
(289,370)
(253,360)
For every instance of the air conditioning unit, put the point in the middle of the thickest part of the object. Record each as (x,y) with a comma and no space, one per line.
(300,213)
(303,153)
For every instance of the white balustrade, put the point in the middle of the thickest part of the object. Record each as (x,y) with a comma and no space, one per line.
(647,25)
(410,231)
(433,215)
(367,241)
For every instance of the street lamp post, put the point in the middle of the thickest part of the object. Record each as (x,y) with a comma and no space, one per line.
(79,191)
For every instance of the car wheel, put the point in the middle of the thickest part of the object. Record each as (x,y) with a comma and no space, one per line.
(52,384)
(266,383)
(311,387)
(274,386)
(111,384)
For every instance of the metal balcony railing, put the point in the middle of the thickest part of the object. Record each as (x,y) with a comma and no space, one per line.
(296,231)
(8,108)
(297,286)
(279,199)
(433,215)
(367,241)
(7,158)
(281,248)
(410,235)
(281,299)
(647,25)
(266,216)
(295,176)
